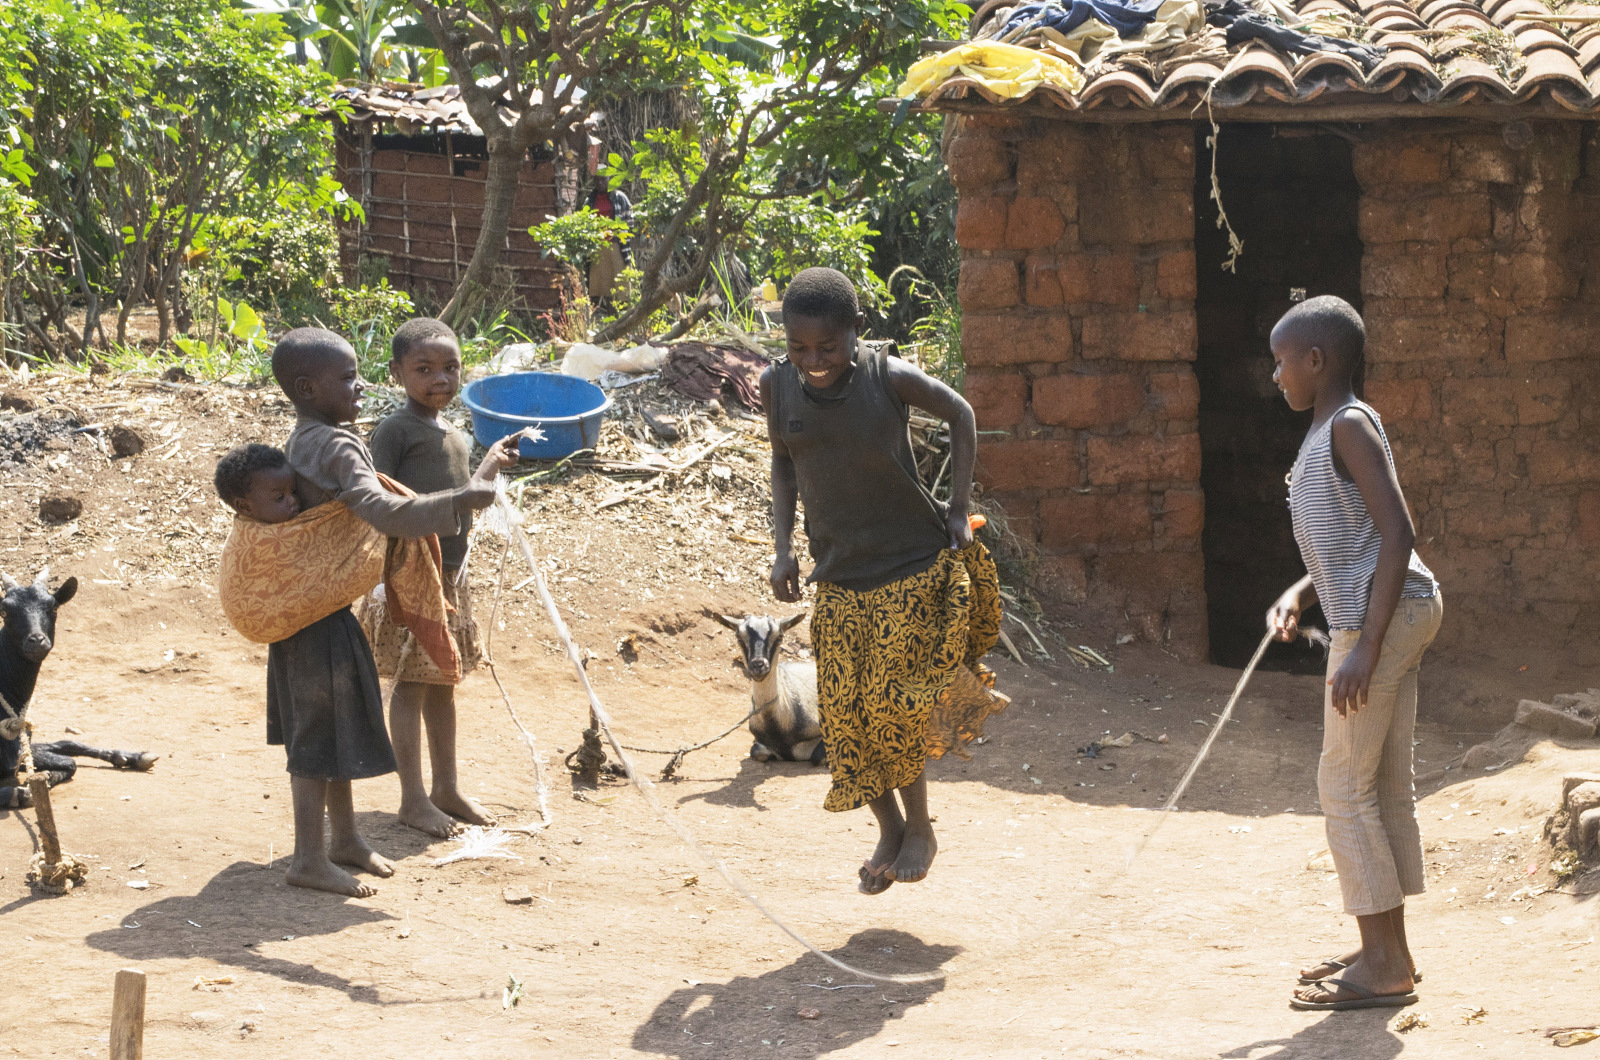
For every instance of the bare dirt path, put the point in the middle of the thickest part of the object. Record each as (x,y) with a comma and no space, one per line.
(1049,945)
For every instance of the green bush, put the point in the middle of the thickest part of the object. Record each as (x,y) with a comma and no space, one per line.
(368,317)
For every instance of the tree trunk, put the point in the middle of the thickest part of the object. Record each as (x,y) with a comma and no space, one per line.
(499,196)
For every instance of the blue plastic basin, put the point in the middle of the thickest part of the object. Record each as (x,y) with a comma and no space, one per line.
(567,411)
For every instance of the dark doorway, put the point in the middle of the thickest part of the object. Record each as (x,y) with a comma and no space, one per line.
(1292,197)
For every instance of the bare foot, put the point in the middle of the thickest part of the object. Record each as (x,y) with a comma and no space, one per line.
(357,854)
(872,882)
(424,816)
(916,855)
(873,871)
(459,805)
(324,875)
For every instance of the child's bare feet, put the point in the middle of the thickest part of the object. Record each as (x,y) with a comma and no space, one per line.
(891,830)
(323,875)
(872,882)
(916,855)
(424,816)
(355,853)
(459,805)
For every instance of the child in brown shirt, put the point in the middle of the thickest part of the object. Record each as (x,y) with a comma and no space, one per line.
(417,447)
(324,701)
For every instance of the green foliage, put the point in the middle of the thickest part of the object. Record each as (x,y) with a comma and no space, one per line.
(915,222)
(787,235)
(788,146)
(577,237)
(935,336)
(368,316)
(142,122)
(287,261)
(238,344)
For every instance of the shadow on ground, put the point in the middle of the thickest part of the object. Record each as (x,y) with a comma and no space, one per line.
(761,1013)
(1339,1036)
(241,907)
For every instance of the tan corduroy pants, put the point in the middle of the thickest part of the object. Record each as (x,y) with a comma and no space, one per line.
(1364,776)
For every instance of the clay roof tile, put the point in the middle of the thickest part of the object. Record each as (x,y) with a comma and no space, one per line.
(1467,79)
(1589,55)
(1550,68)
(1499,51)
(1532,37)
(1118,81)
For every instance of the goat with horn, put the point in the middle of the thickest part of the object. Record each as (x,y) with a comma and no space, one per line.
(783,695)
(25,641)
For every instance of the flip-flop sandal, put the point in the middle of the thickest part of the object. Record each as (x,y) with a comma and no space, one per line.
(1339,966)
(1363,998)
(871,882)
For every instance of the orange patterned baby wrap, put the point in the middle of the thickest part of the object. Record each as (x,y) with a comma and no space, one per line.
(276,579)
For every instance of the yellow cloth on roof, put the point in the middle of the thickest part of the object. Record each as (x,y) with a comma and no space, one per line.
(1004,69)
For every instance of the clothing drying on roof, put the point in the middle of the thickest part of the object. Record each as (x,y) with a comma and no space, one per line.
(1089,30)
(1004,70)
(1242,23)
(1127,17)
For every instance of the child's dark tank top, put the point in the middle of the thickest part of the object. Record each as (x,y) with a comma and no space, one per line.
(868,516)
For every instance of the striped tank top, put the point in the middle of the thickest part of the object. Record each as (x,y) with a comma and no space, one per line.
(1338,540)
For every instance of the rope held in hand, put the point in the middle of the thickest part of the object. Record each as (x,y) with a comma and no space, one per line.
(513,529)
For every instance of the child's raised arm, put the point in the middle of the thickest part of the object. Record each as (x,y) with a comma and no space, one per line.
(1358,451)
(920,390)
(785,577)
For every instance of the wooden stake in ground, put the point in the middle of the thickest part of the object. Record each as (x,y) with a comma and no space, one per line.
(50,870)
(45,814)
(127,1015)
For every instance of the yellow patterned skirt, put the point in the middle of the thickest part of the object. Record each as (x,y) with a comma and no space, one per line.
(898,676)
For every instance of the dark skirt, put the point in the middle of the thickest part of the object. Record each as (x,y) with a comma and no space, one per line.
(325,703)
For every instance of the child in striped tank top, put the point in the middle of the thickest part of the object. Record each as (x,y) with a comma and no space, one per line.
(1383,609)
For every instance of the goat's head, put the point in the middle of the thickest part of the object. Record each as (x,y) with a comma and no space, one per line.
(759,637)
(30,613)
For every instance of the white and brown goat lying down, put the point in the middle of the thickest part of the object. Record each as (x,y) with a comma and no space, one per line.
(786,723)
(28,635)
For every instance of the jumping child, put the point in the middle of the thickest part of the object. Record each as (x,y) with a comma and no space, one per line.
(907,601)
(1383,608)
(324,702)
(417,447)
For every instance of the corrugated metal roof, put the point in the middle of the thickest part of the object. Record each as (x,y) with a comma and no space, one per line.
(1440,54)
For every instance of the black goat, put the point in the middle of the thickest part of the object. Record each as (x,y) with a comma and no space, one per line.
(28,636)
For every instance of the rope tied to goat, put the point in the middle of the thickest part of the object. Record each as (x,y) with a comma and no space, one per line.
(14,724)
(505,520)
(672,765)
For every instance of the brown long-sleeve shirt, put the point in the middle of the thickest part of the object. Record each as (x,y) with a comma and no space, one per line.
(331,463)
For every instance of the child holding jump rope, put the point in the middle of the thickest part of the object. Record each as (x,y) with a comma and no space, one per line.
(907,601)
(1383,609)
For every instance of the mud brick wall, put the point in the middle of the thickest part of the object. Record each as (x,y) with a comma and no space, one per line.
(1481,283)
(1077,288)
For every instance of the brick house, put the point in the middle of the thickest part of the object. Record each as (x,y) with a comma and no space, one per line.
(415,162)
(1122,377)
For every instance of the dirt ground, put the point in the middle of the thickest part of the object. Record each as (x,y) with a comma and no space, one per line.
(1049,944)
